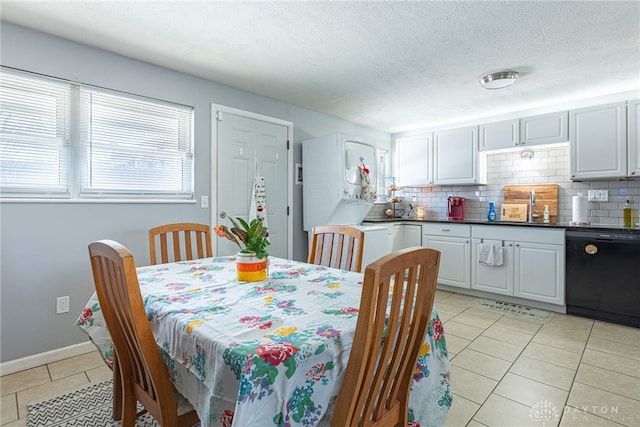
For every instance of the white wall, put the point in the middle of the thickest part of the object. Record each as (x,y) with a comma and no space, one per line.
(43,246)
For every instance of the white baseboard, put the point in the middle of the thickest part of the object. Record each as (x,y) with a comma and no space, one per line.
(32,361)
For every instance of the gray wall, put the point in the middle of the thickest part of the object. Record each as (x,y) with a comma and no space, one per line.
(43,246)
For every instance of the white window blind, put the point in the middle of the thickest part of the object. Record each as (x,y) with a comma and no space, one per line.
(134,147)
(62,139)
(34,136)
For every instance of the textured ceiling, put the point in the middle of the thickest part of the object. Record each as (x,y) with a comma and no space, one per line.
(392,66)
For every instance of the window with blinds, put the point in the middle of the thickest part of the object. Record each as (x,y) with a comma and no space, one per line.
(61,139)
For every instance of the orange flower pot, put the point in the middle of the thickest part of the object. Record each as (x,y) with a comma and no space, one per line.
(251,268)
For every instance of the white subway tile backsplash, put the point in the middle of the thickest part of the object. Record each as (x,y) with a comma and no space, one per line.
(549,165)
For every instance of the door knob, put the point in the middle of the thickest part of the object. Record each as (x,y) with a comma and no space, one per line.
(223,214)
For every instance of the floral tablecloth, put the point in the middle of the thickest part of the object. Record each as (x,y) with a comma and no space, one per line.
(268,353)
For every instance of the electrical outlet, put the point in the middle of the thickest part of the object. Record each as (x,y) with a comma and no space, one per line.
(598,195)
(62,305)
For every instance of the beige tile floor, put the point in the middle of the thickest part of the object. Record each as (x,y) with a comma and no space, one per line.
(568,372)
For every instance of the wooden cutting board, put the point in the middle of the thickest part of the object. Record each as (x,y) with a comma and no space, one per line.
(546,194)
(514,212)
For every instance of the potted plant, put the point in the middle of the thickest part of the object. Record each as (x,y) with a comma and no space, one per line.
(252,239)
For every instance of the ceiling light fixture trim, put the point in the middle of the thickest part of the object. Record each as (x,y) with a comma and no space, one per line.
(499,80)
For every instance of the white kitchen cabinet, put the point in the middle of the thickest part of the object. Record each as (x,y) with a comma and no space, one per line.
(456,159)
(633,143)
(499,135)
(598,142)
(406,236)
(454,243)
(414,160)
(494,279)
(548,128)
(533,263)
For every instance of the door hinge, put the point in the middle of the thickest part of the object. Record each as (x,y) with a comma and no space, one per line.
(287,210)
(219,116)
(287,144)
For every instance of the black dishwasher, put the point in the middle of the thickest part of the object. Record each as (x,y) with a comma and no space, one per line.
(603,275)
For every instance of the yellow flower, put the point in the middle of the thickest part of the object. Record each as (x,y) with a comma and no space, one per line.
(194,324)
(269,299)
(285,331)
(334,286)
(424,349)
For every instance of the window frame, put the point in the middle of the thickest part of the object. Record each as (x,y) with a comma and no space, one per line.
(174,119)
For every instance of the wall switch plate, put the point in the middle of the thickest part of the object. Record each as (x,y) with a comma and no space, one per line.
(598,195)
(204,201)
(62,305)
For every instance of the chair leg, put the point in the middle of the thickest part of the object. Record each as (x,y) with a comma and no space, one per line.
(129,415)
(117,391)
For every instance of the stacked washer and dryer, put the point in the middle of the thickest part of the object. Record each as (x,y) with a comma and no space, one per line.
(332,188)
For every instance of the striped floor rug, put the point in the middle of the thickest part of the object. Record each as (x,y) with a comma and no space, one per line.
(86,407)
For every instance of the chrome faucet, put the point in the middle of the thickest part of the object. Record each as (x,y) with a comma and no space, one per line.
(532,203)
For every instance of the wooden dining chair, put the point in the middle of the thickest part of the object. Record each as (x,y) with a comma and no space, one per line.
(185,238)
(337,246)
(395,308)
(143,376)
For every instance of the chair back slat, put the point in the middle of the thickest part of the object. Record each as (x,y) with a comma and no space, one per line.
(187,240)
(394,316)
(337,246)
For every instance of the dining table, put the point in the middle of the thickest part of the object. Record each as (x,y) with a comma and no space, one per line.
(267,353)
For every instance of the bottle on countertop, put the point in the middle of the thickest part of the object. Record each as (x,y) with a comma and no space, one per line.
(491,215)
(626,213)
(547,220)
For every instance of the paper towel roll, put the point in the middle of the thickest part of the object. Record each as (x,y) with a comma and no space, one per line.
(580,210)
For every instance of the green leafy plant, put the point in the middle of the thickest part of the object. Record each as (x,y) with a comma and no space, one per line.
(250,237)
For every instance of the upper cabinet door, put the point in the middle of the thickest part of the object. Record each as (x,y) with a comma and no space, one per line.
(456,156)
(498,135)
(598,142)
(415,160)
(633,111)
(545,129)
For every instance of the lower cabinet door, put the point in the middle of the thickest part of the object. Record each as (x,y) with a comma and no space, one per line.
(494,279)
(539,272)
(455,254)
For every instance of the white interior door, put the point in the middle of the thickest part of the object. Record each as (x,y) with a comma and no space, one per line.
(239,139)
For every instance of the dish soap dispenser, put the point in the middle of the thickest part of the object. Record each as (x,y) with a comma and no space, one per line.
(491,215)
(546,214)
(626,213)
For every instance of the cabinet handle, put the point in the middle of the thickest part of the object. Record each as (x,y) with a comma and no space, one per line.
(445,229)
(510,244)
(517,245)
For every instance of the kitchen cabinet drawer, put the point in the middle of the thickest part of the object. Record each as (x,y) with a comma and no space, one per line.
(524,233)
(445,229)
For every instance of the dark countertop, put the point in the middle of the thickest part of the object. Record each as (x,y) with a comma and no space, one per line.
(566,226)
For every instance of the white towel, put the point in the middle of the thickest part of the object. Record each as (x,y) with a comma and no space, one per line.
(491,253)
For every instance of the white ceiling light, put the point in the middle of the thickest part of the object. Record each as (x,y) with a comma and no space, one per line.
(499,80)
